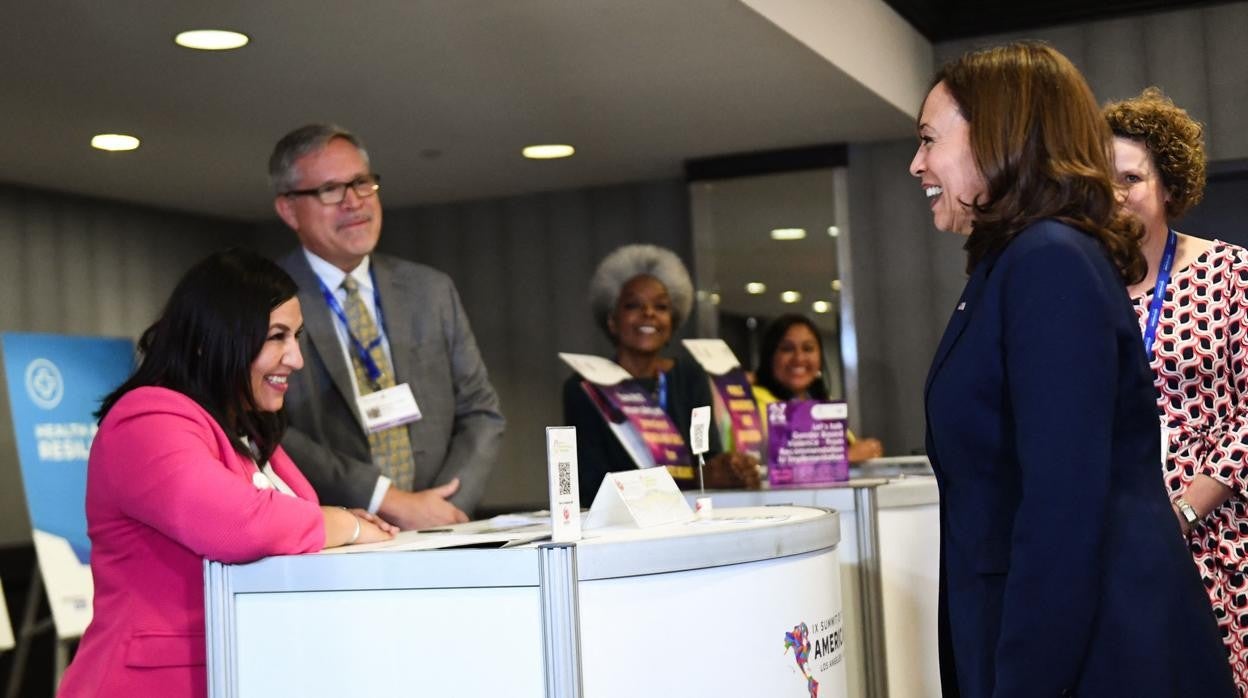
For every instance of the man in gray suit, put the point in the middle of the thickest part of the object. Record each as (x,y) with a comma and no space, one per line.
(393,411)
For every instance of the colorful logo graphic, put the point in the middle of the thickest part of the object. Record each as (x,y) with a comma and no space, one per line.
(799,640)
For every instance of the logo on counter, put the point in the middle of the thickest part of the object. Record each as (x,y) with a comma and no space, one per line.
(816,647)
(799,642)
(44,384)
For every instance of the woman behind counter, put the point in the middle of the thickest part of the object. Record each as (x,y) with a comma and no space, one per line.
(1062,567)
(1198,338)
(186,465)
(639,296)
(791,367)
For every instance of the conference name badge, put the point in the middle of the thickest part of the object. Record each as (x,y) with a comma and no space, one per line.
(388,408)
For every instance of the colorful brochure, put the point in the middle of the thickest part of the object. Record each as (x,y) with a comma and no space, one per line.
(806,443)
(736,411)
(642,427)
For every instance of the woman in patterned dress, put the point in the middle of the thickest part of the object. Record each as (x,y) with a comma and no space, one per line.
(1197,321)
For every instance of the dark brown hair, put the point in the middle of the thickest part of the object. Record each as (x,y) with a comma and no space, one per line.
(204,341)
(1043,148)
(765,376)
(1175,140)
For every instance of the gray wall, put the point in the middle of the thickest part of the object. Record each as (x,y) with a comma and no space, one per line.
(522,266)
(72,265)
(908,276)
(1196,56)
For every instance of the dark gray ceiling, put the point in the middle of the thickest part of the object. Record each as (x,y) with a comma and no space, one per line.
(942,20)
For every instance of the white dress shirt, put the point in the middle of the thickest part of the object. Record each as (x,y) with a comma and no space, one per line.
(333,277)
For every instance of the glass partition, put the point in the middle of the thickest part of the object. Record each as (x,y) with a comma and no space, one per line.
(772,244)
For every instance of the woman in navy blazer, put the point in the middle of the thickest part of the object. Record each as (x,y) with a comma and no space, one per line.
(1063,571)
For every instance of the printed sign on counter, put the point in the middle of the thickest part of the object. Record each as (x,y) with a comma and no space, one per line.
(806,443)
(565,490)
(641,498)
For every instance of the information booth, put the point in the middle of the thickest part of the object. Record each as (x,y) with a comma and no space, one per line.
(746,603)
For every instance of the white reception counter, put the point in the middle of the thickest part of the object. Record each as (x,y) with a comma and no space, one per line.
(890,562)
(746,604)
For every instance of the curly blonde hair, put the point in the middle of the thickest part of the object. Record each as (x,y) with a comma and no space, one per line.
(1174,139)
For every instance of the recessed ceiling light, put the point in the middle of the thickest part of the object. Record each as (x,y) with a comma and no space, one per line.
(547,152)
(836,284)
(755,287)
(788,233)
(833,231)
(211,39)
(114,142)
(821,307)
(790,296)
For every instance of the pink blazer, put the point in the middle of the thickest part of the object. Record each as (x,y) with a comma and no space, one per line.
(164,491)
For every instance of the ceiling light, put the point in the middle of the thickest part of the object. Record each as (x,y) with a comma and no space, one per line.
(755,287)
(547,152)
(114,142)
(788,233)
(211,39)
(833,231)
(836,284)
(790,296)
(715,298)
(821,307)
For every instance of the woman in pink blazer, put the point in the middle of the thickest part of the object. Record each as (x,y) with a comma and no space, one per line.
(186,466)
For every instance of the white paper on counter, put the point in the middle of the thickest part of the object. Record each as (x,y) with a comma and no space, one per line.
(641,498)
(451,537)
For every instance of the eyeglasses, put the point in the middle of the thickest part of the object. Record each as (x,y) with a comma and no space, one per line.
(332,193)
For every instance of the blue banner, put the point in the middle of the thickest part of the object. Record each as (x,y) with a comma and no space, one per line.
(55,386)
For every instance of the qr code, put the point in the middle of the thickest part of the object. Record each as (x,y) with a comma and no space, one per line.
(565,479)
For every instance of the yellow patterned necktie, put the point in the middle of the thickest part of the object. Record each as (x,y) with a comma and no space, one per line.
(391,448)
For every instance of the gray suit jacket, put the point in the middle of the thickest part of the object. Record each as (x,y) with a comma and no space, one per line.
(433,350)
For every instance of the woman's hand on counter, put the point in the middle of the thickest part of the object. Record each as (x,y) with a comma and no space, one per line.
(353,526)
(865,449)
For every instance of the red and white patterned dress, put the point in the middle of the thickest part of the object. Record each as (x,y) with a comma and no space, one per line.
(1201,366)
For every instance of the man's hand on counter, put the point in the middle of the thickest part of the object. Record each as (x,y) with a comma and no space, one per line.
(421,509)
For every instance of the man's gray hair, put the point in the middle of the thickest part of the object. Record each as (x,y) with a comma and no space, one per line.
(300,142)
(627,263)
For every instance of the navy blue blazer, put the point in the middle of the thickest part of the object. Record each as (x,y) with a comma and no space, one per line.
(1063,569)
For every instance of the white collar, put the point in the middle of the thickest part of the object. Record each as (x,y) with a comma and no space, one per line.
(333,277)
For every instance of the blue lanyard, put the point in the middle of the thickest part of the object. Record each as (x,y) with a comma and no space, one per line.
(1159,292)
(361,351)
(663,391)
